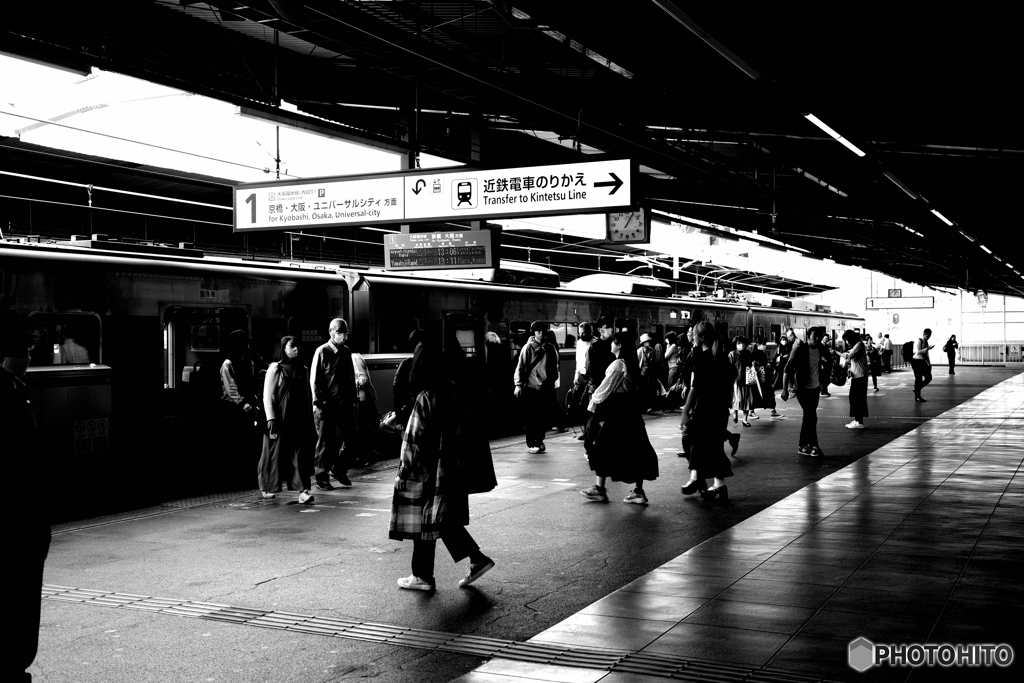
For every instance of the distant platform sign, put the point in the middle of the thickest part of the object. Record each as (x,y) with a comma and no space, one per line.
(435,250)
(419,196)
(900,302)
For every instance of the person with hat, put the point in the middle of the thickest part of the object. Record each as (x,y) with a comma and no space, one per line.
(535,377)
(333,381)
(29,538)
(647,357)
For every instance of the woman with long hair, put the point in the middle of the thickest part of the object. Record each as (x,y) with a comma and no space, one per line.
(289,441)
(743,397)
(874,360)
(706,414)
(619,447)
(431,498)
(856,358)
(950,348)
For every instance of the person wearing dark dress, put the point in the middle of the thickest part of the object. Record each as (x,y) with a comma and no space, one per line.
(856,358)
(290,438)
(950,348)
(618,446)
(706,414)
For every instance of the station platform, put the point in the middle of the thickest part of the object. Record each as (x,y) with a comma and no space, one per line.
(906,532)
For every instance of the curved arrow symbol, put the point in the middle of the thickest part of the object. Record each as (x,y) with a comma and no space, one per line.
(615,183)
(420,184)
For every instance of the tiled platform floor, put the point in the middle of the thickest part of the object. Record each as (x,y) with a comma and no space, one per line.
(920,541)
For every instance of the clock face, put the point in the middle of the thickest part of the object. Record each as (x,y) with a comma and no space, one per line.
(627,226)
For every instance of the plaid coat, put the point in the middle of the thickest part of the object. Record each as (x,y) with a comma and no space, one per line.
(427,495)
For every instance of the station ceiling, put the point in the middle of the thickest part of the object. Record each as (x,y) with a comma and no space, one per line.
(709,99)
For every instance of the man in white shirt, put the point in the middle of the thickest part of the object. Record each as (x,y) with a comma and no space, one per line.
(922,364)
(886,354)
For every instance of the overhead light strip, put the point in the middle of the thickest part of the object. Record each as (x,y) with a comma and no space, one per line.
(834,135)
(984,248)
(900,184)
(942,218)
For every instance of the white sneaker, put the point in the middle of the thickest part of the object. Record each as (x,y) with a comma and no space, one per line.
(636,497)
(755,416)
(415,583)
(267,495)
(305,497)
(849,425)
(856,425)
(534,449)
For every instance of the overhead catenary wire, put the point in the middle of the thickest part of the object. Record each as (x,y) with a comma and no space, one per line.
(90,186)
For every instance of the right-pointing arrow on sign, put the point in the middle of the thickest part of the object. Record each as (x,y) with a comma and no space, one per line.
(615,183)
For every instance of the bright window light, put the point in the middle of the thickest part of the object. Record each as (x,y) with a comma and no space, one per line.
(942,218)
(834,135)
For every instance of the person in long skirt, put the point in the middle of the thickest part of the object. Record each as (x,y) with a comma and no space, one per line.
(743,398)
(764,391)
(289,441)
(431,497)
(857,358)
(706,415)
(618,446)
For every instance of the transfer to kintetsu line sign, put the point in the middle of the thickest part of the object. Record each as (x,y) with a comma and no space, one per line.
(440,194)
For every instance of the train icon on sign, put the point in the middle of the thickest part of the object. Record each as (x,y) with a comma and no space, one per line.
(464,193)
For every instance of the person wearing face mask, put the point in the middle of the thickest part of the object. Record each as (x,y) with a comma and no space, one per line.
(333,385)
(805,371)
(534,378)
(29,539)
(288,444)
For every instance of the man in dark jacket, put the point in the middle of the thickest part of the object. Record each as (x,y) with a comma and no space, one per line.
(29,538)
(599,357)
(535,377)
(805,372)
(333,381)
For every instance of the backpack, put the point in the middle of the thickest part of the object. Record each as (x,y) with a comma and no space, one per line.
(908,351)
(839,373)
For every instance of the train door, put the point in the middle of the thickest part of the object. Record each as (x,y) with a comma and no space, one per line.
(464,331)
(193,342)
(776,333)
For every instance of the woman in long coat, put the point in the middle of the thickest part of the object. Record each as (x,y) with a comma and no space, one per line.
(706,415)
(619,448)
(857,357)
(435,476)
(289,441)
(743,397)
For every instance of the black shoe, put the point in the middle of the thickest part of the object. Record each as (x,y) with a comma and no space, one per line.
(722,492)
(734,441)
(343,481)
(804,450)
(681,454)
(919,399)
(325,486)
(694,486)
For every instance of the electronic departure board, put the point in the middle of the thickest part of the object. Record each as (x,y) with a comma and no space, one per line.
(428,250)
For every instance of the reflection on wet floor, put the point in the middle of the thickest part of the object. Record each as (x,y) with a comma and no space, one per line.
(918,542)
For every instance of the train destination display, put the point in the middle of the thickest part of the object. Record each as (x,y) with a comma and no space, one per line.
(431,250)
(439,194)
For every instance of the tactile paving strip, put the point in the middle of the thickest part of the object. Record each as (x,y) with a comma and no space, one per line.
(626,661)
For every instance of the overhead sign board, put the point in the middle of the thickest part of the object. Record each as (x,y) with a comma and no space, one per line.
(895,293)
(900,302)
(434,250)
(442,194)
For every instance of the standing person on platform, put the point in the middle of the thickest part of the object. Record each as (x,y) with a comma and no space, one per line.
(29,537)
(950,348)
(239,395)
(333,384)
(289,441)
(830,359)
(874,359)
(599,357)
(856,358)
(400,397)
(618,446)
(673,365)
(367,417)
(556,413)
(764,392)
(886,354)
(706,414)
(646,357)
(806,366)
(922,364)
(431,497)
(535,377)
(742,400)
(581,378)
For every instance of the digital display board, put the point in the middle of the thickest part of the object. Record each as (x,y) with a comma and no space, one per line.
(436,250)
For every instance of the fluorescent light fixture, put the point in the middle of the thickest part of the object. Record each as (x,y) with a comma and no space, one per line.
(834,135)
(987,250)
(966,235)
(900,184)
(943,218)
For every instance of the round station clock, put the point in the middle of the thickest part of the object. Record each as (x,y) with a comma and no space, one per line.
(629,227)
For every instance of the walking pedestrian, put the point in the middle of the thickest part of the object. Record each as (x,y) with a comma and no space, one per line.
(535,377)
(289,441)
(804,372)
(764,392)
(921,364)
(950,348)
(742,400)
(856,359)
(829,355)
(706,414)
(28,537)
(437,471)
(333,384)
(556,413)
(617,446)
(599,357)
(886,354)
(647,360)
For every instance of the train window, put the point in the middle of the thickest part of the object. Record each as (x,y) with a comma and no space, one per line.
(72,338)
(393,334)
